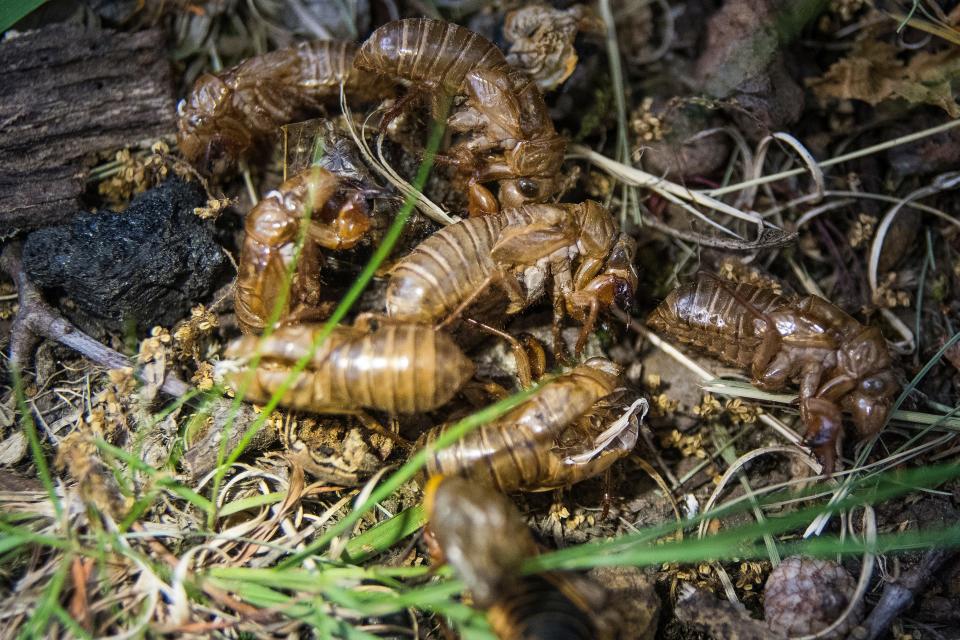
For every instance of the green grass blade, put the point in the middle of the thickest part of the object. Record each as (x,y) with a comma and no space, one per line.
(13,536)
(922,374)
(159,477)
(728,544)
(251,502)
(12,11)
(70,623)
(384,534)
(30,428)
(40,619)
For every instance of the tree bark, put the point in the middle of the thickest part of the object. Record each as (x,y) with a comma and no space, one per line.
(70,92)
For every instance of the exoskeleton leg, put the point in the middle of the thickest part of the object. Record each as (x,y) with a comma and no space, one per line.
(617,283)
(519,353)
(561,287)
(535,353)
(373,425)
(479,393)
(831,313)
(824,424)
(480,201)
(772,365)
(510,286)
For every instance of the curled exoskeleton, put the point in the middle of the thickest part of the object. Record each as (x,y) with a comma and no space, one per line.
(550,441)
(838,362)
(541,40)
(509,138)
(227,114)
(336,218)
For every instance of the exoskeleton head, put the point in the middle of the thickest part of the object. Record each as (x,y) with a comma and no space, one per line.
(600,241)
(210,139)
(608,367)
(865,359)
(536,164)
(870,401)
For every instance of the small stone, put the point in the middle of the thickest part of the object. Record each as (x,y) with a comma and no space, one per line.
(805,595)
(144,267)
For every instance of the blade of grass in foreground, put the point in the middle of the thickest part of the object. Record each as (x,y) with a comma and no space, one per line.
(36,626)
(30,428)
(162,480)
(440,597)
(384,534)
(14,536)
(727,544)
(12,11)
(322,588)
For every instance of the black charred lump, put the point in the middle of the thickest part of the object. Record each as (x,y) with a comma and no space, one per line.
(143,267)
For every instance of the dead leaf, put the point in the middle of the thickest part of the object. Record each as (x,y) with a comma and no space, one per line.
(13,449)
(873,73)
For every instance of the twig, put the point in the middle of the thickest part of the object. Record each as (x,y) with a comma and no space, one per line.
(859,153)
(36,319)
(899,594)
(769,238)
(671,191)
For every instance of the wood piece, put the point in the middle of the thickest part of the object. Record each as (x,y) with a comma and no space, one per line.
(898,594)
(36,319)
(70,92)
(230,422)
(720,619)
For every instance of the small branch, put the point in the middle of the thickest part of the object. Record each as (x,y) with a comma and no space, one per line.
(898,595)
(36,319)
(768,239)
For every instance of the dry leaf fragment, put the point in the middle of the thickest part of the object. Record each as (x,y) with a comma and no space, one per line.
(873,73)
(542,38)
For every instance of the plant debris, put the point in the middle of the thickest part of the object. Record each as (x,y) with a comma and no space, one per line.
(874,73)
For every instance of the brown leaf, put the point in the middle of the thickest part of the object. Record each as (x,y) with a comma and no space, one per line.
(873,73)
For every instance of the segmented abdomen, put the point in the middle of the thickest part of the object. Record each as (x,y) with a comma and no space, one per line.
(515,452)
(708,314)
(397,369)
(325,63)
(227,113)
(443,270)
(285,82)
(538,609)
(496,455)
(433,53)
(260,275)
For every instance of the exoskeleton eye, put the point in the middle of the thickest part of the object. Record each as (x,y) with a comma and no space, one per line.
(528,187)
